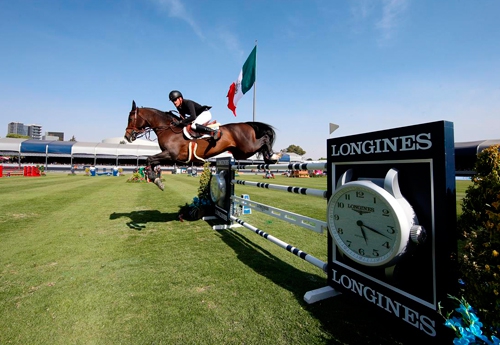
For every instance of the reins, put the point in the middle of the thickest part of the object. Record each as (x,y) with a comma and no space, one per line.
(146,132)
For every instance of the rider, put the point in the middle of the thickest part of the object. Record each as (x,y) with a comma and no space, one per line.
(193,112)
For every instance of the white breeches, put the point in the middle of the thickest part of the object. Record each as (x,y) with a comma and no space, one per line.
(201,119)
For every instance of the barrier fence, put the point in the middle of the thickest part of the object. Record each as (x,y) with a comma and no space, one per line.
(226,200)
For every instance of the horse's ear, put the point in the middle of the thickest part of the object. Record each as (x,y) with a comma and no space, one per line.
(133,105)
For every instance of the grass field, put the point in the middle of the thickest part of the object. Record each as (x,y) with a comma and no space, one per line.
(96,260)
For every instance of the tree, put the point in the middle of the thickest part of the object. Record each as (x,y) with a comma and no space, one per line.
(479,227)
(72,138)
(19,136)
(295,149)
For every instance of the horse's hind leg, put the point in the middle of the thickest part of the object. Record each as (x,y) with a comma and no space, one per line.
(267,151)
(153,169)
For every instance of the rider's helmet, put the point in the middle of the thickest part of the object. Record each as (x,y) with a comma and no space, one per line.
(173,95)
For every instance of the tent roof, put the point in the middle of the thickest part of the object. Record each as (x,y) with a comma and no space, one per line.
(291,157)
(472,148)
(84,148)
(11,144)
(35,146)
(60,147)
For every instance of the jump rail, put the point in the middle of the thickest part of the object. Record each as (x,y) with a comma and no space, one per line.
(290,189)
(303,255)
(289,217)
(291,166)
(226,211)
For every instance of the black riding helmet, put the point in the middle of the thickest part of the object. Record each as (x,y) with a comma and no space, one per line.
(173,95)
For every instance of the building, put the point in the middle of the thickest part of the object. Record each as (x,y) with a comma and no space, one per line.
(59,135)
(34,131)
(17,128)
(50,137)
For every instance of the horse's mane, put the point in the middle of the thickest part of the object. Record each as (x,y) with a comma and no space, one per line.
(168,114)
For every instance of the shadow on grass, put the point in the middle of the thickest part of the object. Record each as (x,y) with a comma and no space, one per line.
(346,319)
(139,219)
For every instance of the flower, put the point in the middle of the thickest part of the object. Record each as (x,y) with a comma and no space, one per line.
(467,327)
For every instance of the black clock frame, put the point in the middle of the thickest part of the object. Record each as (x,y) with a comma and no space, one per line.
(424,156)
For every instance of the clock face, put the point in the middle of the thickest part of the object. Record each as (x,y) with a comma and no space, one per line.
(366,223)
(214,188)
(218,188)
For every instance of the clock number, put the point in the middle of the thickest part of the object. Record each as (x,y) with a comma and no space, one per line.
(360,194)
(336,217)
(348,242)
(375,253)
(347,196)
(387,245)
(361,251)
(391,230)
(340,231)
(340,204)
(385,212)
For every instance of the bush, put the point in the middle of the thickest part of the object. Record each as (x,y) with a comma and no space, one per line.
(202,204)
(41,169)
(136,177)
(479,227)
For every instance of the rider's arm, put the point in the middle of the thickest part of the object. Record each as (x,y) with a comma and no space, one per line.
(191,111)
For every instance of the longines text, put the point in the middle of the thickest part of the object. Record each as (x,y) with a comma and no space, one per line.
(420,141)
(420,321)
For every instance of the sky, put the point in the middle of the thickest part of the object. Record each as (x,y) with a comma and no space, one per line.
(75,66)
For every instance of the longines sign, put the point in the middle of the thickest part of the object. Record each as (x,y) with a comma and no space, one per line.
(410,289)
(422,322)
(420,141)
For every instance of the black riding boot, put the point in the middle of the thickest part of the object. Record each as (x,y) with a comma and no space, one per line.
(213,132)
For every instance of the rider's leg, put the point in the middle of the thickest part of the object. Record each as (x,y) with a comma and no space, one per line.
(204,117)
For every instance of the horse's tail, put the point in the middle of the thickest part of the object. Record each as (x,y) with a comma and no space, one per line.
(263,129)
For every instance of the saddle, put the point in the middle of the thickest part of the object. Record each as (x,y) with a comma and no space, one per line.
(191,134)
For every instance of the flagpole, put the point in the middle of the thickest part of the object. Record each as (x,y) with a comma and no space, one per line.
(255,83)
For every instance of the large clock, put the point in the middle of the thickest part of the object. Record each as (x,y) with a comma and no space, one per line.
(371,222)
(218,188)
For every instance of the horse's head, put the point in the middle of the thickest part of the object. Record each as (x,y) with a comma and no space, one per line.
(136,124)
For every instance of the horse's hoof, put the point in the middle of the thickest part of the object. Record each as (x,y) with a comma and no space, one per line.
(159,183)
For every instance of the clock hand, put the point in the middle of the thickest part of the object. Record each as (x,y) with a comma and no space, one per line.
(364,234)
(361,225)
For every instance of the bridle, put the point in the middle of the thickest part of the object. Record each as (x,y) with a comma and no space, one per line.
(138,133)
(146,131)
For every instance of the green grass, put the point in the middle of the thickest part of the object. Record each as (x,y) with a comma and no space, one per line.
(462,186)
(96,260)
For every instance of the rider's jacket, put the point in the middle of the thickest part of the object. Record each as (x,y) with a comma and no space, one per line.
(190,110)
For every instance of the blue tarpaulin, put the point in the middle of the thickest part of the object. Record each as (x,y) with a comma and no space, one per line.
(60,147)
(34,146)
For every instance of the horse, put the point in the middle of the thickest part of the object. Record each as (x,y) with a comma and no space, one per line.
(242,140)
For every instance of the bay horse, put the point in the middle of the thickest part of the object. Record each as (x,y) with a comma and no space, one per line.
(242,140)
